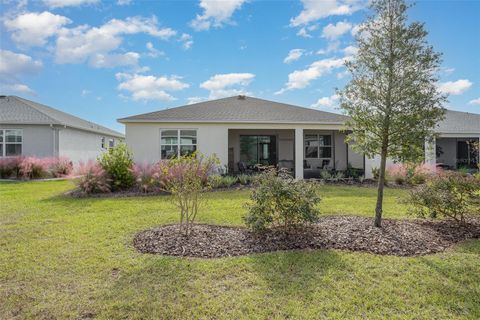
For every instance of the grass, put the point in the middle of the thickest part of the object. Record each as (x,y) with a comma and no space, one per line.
(64,258)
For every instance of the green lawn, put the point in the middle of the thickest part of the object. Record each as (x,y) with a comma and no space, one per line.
(58,258)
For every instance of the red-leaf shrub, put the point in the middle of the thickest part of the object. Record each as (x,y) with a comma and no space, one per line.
(92,178)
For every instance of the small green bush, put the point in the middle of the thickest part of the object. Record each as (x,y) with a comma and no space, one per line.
(281,201)
(450,195)
(218,181)
(118,164)
(244,179)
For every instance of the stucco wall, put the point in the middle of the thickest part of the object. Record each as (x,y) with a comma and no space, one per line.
(80,145)
(144,139)
(38,140)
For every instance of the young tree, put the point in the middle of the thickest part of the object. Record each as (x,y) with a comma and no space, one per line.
(392,98)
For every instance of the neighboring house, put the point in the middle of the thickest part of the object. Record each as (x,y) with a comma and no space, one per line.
(243,131)
(28,128)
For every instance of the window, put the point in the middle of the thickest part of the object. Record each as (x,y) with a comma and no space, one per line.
(258,150)
(11,142)
(318,146)
(103,143)
(177,142)
(111,143)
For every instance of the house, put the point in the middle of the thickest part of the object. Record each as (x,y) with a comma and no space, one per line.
(28,128)
(243,131)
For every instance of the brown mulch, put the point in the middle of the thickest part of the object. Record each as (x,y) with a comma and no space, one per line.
(396,237)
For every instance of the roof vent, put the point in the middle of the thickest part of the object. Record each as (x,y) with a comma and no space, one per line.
(241,97)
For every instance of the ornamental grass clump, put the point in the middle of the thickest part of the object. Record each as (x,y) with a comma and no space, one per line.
(186,178)
(279,201)
(92,178)
(148,177)
(450,195)
(34,168)
(60,167)
(10,167)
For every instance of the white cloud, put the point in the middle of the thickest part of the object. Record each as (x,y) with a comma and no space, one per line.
(327,102)
(293,55)
(334,31)
(332,47)
(123,2)
(12,66)
(315,9)
(85,92)
(474,101)
(143,87)
(67,3)
(187,41)
(228,84)
(300,79)
(34,29)
(192,100)
(17,87)
(100,60)
(152,52)
(455,87)
(15,64)
(215,13)
(350,50)
(86,43)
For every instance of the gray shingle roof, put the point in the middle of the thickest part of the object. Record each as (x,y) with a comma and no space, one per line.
(238,109)
(459,122)
(16,110)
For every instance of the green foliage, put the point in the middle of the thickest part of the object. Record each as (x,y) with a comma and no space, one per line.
(392,99)
(244,179)
(218,181)
(281,201)
(118,164)
(450,195)
(187,179)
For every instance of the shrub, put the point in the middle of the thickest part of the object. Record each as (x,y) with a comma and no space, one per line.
(34,168)
(186,178)
(281,201)
(118,164)
(217,181)
(10,167)
(450,195)
(244,179)
(325,174)
(60,167)
(92,178)
(148,177)
(398,173)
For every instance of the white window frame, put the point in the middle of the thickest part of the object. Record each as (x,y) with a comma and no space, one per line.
(102,143)
(4,143)
(179,143)
(113,143)
(319,146)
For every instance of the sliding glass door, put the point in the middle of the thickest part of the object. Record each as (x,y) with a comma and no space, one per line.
(258,150)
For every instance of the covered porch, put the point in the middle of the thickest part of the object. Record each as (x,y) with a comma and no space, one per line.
(304,152)
(454,152)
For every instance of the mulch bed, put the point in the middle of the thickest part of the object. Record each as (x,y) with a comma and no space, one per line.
(396,237)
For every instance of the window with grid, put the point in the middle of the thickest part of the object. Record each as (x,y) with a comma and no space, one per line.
(11,142)
(318,146)
(177,142)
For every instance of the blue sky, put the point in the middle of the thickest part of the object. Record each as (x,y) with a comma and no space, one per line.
(102,60)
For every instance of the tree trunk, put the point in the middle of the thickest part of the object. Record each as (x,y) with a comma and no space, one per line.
(381,185)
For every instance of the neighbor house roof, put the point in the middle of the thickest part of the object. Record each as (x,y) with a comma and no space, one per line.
(459,122)
(241,109)
(16,110)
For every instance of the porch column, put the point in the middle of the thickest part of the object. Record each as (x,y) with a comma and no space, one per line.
(430,151)
(299,153)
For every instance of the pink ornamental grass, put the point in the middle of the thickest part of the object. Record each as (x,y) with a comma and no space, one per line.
(34,168)
(10,167)
(92,178)
(148,177)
